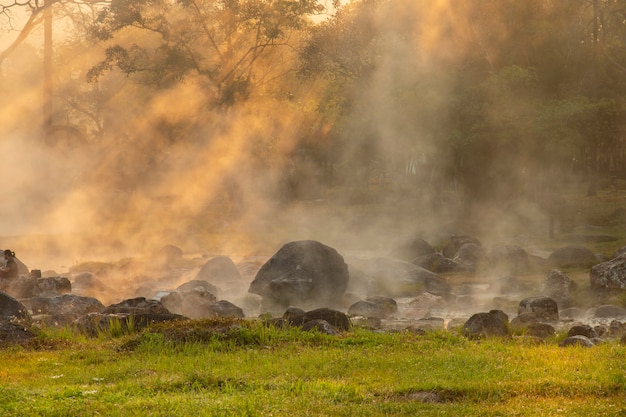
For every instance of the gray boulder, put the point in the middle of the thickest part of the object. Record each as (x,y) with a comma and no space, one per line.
(544,307)
(131,315)
(558,286)
(509,259)
(65,308)
(15,322)
(582,330)
(302,273)
(335,318)
(492,324)
(393,278)
(28,286)
(608,311)
(572,256)
(610,275)
(321,326)
(466,251)
(12,311)
(192,299)
(219,269)
(366,309)
(225,308)
(577,340)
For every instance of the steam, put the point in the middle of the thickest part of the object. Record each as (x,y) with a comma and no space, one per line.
(219,188)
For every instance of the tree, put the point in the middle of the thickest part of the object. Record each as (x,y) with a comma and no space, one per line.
(222,41)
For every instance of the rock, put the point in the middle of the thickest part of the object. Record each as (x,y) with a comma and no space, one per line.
(193,299)
(617,328)
(522,321)
(578,340)
(427,324)
(225,308)
(438,263)
(540,330)
(509,259)
(136,306)
(168,253)
(12,311)
(610,275)
(54,285)
(95,323)
(559,287)
(481,325)
(131,314)
(572,313)
(455,242)
(411,248)
(12,334)
(572,256)
(15,322)
(302,273)
(393,278)
(582,330)
(87,283)
(65,308)
(193,285)
(609,311)
(424,305)
(336,318)
(219,269)
(472,256)
(366,309)
(388,304)
(321,326)
(544,307)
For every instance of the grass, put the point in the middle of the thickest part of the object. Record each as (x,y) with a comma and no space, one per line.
(254,370)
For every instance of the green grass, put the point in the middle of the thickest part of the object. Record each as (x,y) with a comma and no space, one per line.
(253,370)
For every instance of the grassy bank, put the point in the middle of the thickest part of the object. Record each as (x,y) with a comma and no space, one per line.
(252,370)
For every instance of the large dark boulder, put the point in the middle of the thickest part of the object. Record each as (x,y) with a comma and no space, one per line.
(139,305)
(64,309)
(15,322)
(225,308)
(492,324)
(131,315)
(12,311)
(393,278)
(302,273)
(572,256)
(335,318)
(610,275)
(545,308)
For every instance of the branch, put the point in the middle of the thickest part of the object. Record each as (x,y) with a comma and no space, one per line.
(33,20)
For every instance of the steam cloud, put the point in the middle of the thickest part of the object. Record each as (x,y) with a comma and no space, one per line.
(138,188)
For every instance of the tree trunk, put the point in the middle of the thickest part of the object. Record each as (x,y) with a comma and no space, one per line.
(47,66)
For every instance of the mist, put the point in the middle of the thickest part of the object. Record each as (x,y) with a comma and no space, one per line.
(357,156)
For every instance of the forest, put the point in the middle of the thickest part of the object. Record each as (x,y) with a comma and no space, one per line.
(141,111)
